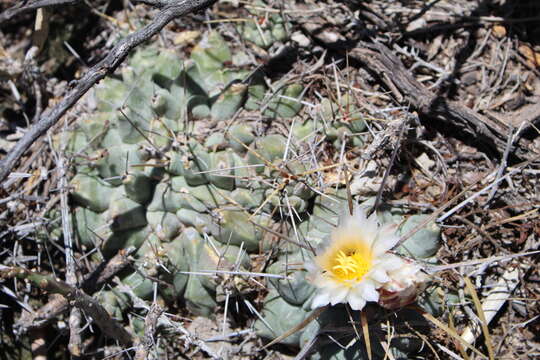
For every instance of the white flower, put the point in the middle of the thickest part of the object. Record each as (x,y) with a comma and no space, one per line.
(355,263)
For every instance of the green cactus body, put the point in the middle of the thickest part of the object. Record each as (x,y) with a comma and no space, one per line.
(269,148)
(165,225)
(172,197)
(303,129)
(238,229)
(198,198)
(214,141)
(110,96)
(113,302)
(91,227)
(138,187)
(200,288)
(74,141)
(198,165)
(142,286)
(177,266)
(423,244)
(229,101)
(327,211)
(177,171)
(124,214)
(295,289)
(286,102)
(117,162)
(91,192)
(202,222)
(124,239)
(256,92)
(240,137)
(211,53)
(279,317)
(248,199)
(265,33)
(187,198)
(222,176)
(244,172)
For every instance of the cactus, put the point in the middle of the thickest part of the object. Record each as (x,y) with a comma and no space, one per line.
(279,316)
(264,29)
(423,244)
(193,201)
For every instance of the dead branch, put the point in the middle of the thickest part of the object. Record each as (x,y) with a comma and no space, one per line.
(407,90)
(99,71)
(27,6)
(59,304)
(76,297)
(75,316)
(150,325)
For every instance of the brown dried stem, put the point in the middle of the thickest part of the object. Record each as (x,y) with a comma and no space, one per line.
(407,90)
(76,297)
(150,324)
(59,304)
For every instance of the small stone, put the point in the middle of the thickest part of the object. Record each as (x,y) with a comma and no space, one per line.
(424,161)
(499,31)
(186,37)
(300,39)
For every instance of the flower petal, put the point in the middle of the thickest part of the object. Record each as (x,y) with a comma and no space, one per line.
(339,295)
(360,245)
(389,262)
(379,275)
(384,243)
(359,216)
(369,229)
(367,290)
(356,302)
(327,284)
(321,299)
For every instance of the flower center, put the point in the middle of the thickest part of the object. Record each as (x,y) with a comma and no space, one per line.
(351,265)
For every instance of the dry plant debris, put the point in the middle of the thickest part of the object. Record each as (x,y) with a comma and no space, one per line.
(427,112)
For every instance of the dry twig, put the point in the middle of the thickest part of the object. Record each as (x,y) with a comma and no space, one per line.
(27,6)
(75,316)
(379,59)
(150,324)
(76,297)
(59,304)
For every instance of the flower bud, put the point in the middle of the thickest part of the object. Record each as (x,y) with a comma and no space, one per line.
(405,284)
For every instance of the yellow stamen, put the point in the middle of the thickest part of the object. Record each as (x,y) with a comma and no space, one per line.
(351,265)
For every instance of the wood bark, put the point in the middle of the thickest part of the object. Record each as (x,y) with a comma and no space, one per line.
(436,108)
